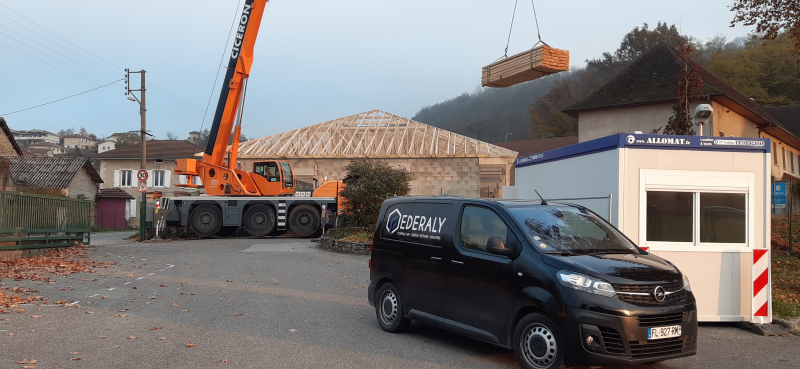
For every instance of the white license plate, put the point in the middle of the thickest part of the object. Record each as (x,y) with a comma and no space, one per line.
(664,332)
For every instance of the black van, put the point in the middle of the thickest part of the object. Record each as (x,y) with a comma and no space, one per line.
(554,282)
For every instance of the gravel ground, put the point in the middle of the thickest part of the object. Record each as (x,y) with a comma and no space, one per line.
(255,303)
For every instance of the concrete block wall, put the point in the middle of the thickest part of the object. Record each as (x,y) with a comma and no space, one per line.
(431,176)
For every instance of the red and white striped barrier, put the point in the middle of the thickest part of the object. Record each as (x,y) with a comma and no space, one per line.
(761,307)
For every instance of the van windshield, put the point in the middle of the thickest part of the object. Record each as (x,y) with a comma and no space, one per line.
(570,229)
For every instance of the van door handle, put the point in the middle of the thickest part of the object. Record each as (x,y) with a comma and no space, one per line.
(436,259)
(457,263)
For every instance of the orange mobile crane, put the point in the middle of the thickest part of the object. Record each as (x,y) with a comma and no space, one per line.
(261,201)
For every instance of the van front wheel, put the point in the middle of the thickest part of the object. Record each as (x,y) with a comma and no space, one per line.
(389,309)
(538,343)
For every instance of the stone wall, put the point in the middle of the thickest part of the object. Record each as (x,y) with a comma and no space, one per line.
(82,184)
(331,244)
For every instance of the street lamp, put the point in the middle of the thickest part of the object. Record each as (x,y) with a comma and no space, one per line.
(508,134)
(702,114)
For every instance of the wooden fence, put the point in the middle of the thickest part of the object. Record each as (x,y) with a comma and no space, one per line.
(36,221)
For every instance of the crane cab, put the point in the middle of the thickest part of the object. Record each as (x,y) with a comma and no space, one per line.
(274,178)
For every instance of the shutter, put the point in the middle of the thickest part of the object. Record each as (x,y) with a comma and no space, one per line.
(116,178)
(127,210)
(133,208)
(167,178)
(150,179)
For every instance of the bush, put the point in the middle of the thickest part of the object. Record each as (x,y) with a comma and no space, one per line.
(367,184)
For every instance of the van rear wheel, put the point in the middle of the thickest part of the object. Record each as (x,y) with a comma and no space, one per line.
(389,309)
(538,343)
(304,220)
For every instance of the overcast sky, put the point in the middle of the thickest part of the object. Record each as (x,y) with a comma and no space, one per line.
(315,60)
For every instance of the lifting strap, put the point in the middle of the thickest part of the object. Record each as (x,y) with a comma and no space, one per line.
(538,33)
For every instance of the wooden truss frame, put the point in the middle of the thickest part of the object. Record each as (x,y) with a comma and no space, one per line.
(370,134)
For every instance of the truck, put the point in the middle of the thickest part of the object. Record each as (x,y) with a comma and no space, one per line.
(262,201)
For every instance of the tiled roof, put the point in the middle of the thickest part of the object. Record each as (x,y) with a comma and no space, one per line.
(78,136)
(156,149)
(537,145)
(7,131)
(113,193)
(653,78)
(50,172)
(789,115)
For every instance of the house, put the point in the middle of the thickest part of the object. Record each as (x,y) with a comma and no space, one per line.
(72,176)
(118,168)
(46,149)
(115,137)
(114,208)
(641,98)
(106,145)
(439,160)
(8,147)
(78,141)
(34,136)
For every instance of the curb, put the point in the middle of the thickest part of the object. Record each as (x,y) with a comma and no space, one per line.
(791,325)
(331,244)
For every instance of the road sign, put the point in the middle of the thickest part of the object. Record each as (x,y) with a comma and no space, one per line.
(142,186)
(779,194)
(142,175)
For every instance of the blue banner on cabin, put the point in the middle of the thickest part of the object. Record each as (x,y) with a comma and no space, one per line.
(648,141)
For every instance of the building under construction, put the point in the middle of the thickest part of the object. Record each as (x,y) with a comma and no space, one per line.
(440,161)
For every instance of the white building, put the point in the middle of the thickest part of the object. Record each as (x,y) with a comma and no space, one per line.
(34,136)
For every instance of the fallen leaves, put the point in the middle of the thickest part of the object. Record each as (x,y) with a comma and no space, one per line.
(153,297)
(162,338)
(16,296)
(122,315)
(37,316)
(190,344)
(155,328)
(162,285)
(60,262)
(230,280)
(175,304)
(238,314)
(132,337)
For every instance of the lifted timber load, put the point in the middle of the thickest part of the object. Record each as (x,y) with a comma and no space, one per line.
(526,66)
(540,61)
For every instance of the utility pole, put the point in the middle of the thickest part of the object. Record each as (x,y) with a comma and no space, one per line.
(143,164)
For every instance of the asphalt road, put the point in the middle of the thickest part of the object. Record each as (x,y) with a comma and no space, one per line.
(265,303)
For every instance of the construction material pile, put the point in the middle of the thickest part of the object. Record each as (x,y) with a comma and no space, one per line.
(526,66)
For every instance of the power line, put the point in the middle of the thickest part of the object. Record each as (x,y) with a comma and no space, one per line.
(55,101)
(221,60)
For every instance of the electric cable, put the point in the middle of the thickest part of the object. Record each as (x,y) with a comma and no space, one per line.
(221,60)
(61,99)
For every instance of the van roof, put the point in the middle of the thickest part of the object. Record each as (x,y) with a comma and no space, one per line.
(502,202)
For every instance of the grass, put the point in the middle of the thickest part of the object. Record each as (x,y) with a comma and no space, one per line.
(785,286)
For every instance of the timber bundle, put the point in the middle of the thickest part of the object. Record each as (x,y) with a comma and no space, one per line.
(526,66)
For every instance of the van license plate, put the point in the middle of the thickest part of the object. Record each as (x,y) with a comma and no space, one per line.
(664,332)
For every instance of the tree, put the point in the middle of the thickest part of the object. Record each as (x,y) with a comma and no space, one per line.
(367,184)
(171,136)
(127,139)
(66,132)
(84,132)
(767,71)
(636,43)
(770,17)
(689,84)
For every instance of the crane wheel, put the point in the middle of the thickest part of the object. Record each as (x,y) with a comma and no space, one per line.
(259,220)
(206,220)
(304,220)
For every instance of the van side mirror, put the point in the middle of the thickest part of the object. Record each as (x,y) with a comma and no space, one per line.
(496,246)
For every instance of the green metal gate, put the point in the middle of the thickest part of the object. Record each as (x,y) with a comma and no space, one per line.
(36,221)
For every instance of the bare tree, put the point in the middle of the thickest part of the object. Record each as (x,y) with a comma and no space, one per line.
(770,17)
(172,136)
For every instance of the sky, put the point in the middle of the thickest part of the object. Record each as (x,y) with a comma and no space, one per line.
(314,60)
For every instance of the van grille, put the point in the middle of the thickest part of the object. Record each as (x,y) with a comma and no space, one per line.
(612,341)
(661,320)
(666,346)
(647,289)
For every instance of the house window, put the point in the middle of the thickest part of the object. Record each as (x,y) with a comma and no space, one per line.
(158,178)
(697,217)
(126,178)
(775,153)
(783,154)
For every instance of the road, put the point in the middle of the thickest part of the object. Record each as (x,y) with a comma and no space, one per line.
(256,303)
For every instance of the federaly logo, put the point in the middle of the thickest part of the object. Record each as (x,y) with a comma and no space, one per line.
(421,223)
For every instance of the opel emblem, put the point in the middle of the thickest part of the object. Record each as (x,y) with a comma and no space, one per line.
(659,294)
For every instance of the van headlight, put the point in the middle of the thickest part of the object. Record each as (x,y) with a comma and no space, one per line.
(686,284)
(584,283)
